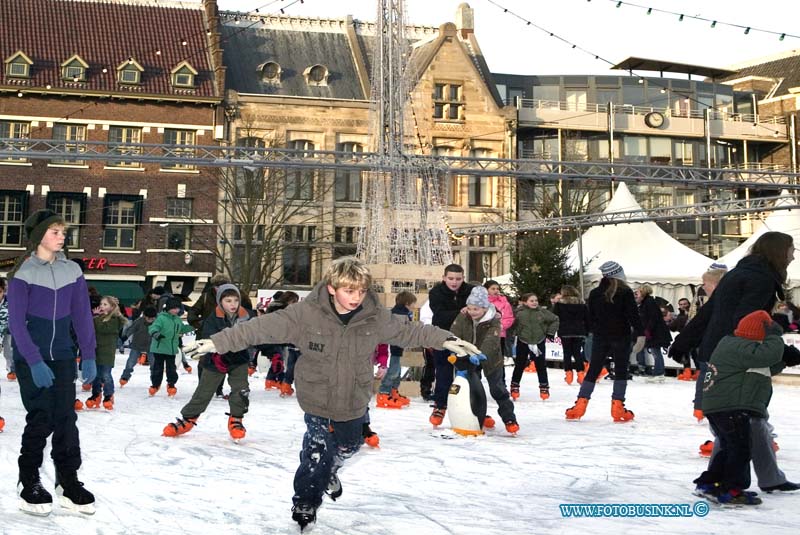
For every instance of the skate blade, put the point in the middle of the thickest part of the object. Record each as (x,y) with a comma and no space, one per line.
(36,509)
(68,505)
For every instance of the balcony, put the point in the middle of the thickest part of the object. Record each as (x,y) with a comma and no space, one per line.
(630,119)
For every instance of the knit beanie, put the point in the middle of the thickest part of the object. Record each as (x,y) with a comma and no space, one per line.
(158,290)
(149,312)
(478,297)
(752,326)
(612,270)
(37,224)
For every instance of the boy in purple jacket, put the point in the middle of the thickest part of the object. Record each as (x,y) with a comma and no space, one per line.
(48,298)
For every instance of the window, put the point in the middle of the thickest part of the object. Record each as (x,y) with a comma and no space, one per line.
(124,135)
(480,266)
(345,234)
(447,102)
(480,191)
(249,182)
(179,237)
(300,182)
(18,66)
(179,208)
(297,265)
(183,75)
(347,183)
(635,149)
(240,234)
(129,76)
(12,207)
(70,133)
(70,206)
(316,75)
(121,214)
(683,152)
(660,150)
(299,233)
(18,130)
(448,184)
(576,99)
(271,72)
(74,69)
(177,138)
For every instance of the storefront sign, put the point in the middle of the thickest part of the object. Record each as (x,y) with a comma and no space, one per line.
(101,263)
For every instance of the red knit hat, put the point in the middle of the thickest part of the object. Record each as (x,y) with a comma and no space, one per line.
(752,325)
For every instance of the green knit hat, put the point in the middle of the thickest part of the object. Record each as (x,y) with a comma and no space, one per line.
(37,224)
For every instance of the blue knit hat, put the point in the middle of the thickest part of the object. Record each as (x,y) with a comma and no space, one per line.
(612,270)
(478,297)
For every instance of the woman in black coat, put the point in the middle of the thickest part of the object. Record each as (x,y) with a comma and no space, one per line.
(656,332)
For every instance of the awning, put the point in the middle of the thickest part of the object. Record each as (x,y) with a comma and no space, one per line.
(128,292)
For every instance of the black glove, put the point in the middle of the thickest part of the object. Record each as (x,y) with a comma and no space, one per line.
(158,336)
(791,355)
(773,328)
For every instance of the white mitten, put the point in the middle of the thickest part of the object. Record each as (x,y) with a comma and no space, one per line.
(198,348)
(460,347)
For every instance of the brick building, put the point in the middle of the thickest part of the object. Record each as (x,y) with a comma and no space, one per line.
(113,71)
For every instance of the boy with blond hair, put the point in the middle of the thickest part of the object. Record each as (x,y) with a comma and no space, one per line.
(336,328)
(47,300)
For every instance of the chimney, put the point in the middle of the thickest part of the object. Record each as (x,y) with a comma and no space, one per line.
(465,20)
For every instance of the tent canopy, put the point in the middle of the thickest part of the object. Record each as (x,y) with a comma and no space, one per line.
(647,254)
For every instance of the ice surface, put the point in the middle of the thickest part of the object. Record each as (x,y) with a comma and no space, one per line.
(417,482)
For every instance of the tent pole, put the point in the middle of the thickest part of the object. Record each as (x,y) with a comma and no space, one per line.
(580,261)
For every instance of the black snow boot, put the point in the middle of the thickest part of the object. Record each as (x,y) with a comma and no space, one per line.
(72,495)
(304,514)
(33,497)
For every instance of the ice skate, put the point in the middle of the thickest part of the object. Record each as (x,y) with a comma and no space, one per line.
(488,423)
(171,391)
(33,497)
(371,438)
(568,377)
(334,489)
(152,390)
(437,417)
(515,391)
(544,392)
(108,403)
(619,413)
(286,389)
(179,427)
(577,411)
(236,428)
(401,399)
(304,514)
(73,497)
(93,402)
(384,401)
(512,427)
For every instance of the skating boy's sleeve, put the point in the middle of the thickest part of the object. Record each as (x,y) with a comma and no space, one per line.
(17,320)
(413,334)
(280,327)
(767,353)
(82,320)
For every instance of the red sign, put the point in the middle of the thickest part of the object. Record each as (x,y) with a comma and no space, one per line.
(100,263)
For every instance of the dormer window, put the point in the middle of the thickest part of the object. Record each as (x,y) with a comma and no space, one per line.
(130,72)
(270,72)
(18,65)
(316,75)
(74,69)
(183,75)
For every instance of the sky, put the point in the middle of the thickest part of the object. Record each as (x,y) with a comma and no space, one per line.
(596,26)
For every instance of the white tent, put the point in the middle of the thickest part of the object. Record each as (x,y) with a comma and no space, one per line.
(786,221)
(646,253)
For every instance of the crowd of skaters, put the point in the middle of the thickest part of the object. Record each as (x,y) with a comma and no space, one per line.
(616,332)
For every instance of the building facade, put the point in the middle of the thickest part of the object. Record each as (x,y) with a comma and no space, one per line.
(304,84)
(85,71)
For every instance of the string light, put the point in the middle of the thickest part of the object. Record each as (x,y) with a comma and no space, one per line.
(649,10)
(680,19)
(747,30)
(714,24)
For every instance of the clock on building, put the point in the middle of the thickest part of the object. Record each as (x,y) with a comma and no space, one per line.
(654,119)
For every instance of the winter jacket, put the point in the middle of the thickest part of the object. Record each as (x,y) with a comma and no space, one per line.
(206,305)
(533,324)
(46,301)
(573,320)
(504,310)
(485,334)
(401,311)
(752,285)
(166,331)
(615,319)
(739,374)
(107,333)
(447,304)
(656,333)
(140,337)
(217,322)
(333,377)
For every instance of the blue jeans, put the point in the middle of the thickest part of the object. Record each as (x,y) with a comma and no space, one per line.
(658,361)
(103,382)
(326,445)
(392,378)
(133,358)
(444,377)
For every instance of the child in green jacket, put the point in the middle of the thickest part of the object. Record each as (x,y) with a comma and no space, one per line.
(737,387)
(533,327)
(166,332)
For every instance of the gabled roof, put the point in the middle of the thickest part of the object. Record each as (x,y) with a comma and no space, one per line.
(105,34)
(785,69)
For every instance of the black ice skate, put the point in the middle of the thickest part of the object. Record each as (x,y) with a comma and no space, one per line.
(334,490)
(304,514)
(72,496)
(33,497)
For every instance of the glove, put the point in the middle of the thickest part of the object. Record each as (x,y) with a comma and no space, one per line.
(791,356)
(534,349)
(638,345)
(198,348)
(476,359)
(88,370)
(460,347)
(42,375)
(157,336)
